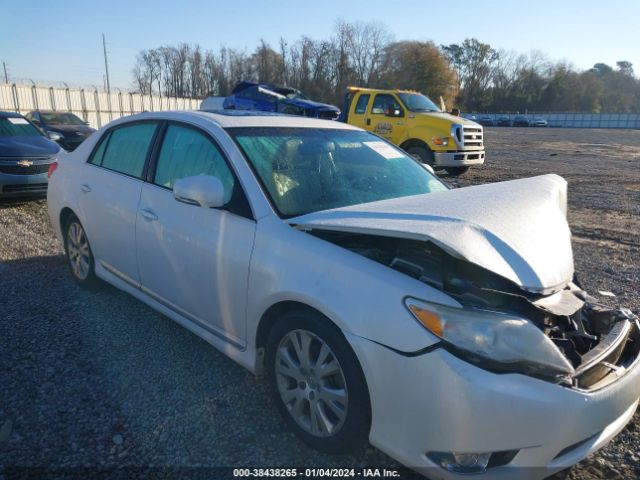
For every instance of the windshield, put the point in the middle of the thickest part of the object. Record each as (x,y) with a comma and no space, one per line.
(17,127)
(308,170)
(64,118)
(416,102)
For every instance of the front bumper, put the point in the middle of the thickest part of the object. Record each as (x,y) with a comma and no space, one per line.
(23,185)
(438,403)
(459,159)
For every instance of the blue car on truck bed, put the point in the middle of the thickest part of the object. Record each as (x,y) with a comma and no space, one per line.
(273,98)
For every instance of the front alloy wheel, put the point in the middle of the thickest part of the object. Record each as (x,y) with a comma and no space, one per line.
(311,383)
(317,382)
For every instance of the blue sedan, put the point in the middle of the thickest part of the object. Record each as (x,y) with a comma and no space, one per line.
(25,156)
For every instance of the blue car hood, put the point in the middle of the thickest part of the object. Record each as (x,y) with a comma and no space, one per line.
(27,146)
(309,104)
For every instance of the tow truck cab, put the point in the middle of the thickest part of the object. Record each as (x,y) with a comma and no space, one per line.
(413,122)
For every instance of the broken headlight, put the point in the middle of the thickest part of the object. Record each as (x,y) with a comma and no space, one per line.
(499,340)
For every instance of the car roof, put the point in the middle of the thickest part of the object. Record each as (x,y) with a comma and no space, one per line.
(354,89)
(244,118)
(52,111)
(9,115)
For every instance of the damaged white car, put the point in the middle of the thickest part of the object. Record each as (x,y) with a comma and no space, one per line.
(444,326)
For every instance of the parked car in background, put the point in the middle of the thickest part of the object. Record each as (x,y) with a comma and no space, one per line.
(273,98)
(539,122)
(65,128)
(25,156)
(486,120)
(503,121)
(521,121)
(442,325)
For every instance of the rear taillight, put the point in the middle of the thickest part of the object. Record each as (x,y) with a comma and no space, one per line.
(52,168)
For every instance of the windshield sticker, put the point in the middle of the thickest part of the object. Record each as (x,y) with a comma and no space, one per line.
(18,120)
(384,149)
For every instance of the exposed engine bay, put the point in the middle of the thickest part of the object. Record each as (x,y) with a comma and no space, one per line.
(599,341)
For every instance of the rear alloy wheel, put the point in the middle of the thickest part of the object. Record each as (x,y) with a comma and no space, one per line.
(79,253)
(317,382)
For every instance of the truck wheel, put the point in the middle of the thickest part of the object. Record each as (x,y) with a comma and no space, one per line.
(423,154)
(455,171)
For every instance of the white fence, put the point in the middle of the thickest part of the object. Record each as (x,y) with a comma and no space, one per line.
(93,106)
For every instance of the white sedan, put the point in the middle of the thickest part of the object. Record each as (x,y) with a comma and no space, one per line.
(441,325)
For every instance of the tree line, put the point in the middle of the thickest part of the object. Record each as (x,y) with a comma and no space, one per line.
(471,75)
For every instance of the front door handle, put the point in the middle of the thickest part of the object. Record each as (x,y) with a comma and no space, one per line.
(148,214)
(85,188)
(368,121)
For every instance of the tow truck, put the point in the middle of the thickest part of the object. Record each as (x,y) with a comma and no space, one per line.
(416,124)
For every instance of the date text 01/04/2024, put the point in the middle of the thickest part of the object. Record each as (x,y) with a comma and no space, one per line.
(315,473)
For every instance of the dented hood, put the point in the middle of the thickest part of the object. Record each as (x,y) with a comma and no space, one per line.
(517,229)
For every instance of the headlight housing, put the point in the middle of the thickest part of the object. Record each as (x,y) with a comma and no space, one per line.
(504,340)
(440,141)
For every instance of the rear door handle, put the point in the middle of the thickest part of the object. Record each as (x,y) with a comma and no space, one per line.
(148,214)
(368,121)
(85,188)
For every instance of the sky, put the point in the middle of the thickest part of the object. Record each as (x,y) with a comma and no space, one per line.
(53,42)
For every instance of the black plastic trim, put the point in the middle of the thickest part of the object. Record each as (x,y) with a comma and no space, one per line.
(417,353)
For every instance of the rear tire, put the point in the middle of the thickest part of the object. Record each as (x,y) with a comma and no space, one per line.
(79,255)
(455,171)
(317,383)
(422,154)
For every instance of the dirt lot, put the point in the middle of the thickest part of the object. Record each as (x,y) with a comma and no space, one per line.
(100,381)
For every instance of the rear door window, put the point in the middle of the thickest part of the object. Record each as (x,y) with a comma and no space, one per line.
(98,153)
(127,148)
(361,105)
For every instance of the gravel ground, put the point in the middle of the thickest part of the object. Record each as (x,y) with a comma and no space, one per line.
(97,380)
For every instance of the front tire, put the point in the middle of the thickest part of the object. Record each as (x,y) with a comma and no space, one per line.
(422,154)
(317,382)
(79,255)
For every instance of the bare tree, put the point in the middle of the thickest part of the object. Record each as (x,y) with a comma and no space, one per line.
(364,54)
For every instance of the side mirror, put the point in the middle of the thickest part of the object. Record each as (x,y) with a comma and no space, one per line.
(204,190)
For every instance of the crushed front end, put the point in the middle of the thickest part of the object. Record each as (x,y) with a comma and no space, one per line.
(599,342)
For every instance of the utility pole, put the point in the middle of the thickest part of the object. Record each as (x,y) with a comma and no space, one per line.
(6,77)
(106,65)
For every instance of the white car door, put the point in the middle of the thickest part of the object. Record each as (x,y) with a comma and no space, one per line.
(109,195)
(195,260)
